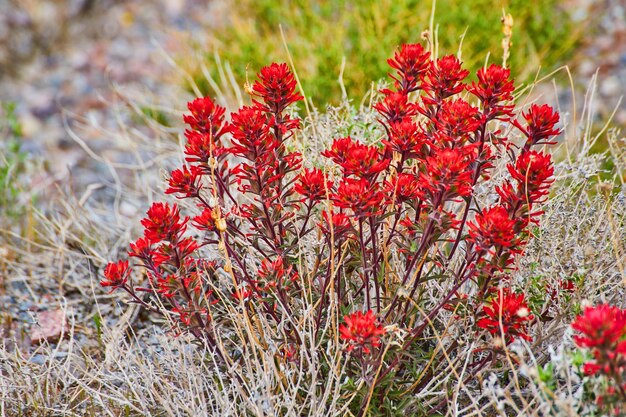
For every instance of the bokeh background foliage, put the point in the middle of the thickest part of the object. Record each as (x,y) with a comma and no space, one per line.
(321,33)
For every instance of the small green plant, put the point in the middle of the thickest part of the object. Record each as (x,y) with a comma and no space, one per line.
(12,163)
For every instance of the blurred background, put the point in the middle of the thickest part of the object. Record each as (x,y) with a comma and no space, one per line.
(67,65)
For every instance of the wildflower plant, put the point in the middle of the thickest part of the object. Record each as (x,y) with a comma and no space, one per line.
(602,330)
(389,249)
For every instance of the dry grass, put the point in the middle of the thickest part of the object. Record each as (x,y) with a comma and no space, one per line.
(115,360)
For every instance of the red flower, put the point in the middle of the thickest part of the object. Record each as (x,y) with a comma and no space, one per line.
(448,174)
(277,87)
(410,63)
(405,139)
(457,119)
(339,151)
(533,171)
(274,274)
(601,326)
(163,223)
(493,227)
(174,254)
(404,187)
(186,247)
(443,79)
(357,158)
(338,225)
(142,249)
(116,274)
(185,182)
(206,117)
(507,314)
(360,196)
(313,184)
(494,87)
(361,331)
(243,293)
(250,131)
(395,107)
(540,122)
(205,221)
(201,147)
(603,330)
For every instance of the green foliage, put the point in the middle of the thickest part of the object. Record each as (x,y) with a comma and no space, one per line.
(12,162)
(546,375)
(320,34)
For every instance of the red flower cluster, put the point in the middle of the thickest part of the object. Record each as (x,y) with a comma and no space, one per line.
(277,87)
(541,122)
(410,62)
(206,128)
(357,159)
(338,225)
(358,195)
(116,274)
(163,223)
(447,175)
(402,213)
(443,79)
(362,332)
(493,227)
(493,89)
(313,185)
(533,172)
(276,275)
(185,182)
(258,136)
(603,328)
(603,331)
(508,315)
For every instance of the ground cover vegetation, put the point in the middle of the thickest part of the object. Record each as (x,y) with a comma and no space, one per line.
(447,246)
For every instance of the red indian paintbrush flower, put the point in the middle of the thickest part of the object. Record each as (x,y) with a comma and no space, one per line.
(507,314)
(116,274)
(493,88)
(493,227)
(443,79)
(601,326)
(410,62)
(533,171)
(395,107)
(275,274)
(206,220)
(277,87)
(357,158)
(206,116)
(250,131)
(448,174)
(405,138)
(603,331)
(404,187)
(337,225)
(313,185)
(358,195)
(185,182)
(361,331)
(201,147)
(457,119)
(541,122)
(163,223)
